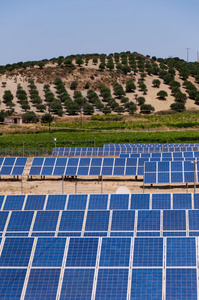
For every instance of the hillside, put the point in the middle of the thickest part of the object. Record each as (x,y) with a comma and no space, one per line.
(99,84)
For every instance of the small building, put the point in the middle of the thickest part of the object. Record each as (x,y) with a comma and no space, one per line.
(13,119)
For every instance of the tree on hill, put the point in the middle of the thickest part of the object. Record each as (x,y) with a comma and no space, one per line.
(30,117)
(156,83)
(130,86)
(179,107)
(146,108)
(162,94)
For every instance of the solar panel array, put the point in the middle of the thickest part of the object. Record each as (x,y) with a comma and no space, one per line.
(12,165)
(116,149)
(164,155)
(171,172)
(107,246)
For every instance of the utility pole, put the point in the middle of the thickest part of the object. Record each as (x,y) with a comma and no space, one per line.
(188,54)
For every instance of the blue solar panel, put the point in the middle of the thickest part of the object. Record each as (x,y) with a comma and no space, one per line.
(95,171)
(123,220)
(150,167)
(37,161)
(146,284)
(181,284)
(49,161)
(163,166)
(96,162)
(112,284)
(115,252)
(42,284)
(176,166)
(73,162)
(58,171)
(3,218)
(9,161)
(47,171)
(174,233)
(194,220)
(118,171)
(140,201)
(148,233)
(174,220)
(148,220)
(6,170)
(119,201)
(56,202)
(35,202)
(161,201)
(11,283)
(83,171)
(46,221)
(108,162)
(71,171)
(35,170)
(181,252)
(77,202)
(196,201)
(77,284)
(98,201)
(14,202)
(188,166)
(82,252)
(97,221)
(107,171)
(16,252)
(148,252)
(21,161)
(163,177)
(182,201)
(17,171)
(61,162)
(20,221)
(177,177)
(71,221)
(150,178)
(49,252)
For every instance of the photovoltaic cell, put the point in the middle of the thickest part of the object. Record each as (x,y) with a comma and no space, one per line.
(196,201)
(193,219)
(49,252)
(16,252)
(11,283)
(148,252)
(82,252)
(77,284)
(146,284)
(42,284)
(115,252)
(181,284)
(3,218)
(112,284)
(181,252)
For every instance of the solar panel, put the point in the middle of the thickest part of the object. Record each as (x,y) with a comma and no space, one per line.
(181,252)
(49,252)
(174,220)
(123,220)
(3,219)
(148,220)
(119,201)
(16,252)
(56,202)
(146,284)
(20,221)
(148,252)
(35,202)
(77,202)
(46,221)
(14,202)
(11,283)
(71,221)
(77,284)
(181,284)
(140,201)
(42,284)
(115,252)
(97,202)
(82,252)
(193,219)
(112,284)
(182,201)
(161,201)
(97,221)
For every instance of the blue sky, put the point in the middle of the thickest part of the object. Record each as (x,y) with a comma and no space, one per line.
(38,29)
